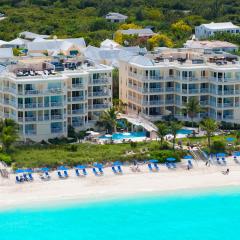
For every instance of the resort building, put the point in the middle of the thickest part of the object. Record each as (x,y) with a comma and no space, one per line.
(45,96)
(32,36)
(159,85)
(207,30)
(214,46)
(116,17)
(141,33)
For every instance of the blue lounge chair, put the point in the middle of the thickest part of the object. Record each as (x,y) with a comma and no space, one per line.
(119,169)
(30,177)
(65,173)
(84,172)
(156,166)
(95,172)
(218,161)
(190,164)
(168,165)
(18,180)
(100,170)
(47,175)
(114,170)
(174,165)
(77,172)
(224,160)
(25,177)
(150,167)
(59,174)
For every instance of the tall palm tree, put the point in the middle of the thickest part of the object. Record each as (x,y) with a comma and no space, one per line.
(108,120)
(192,108)
(174,128)
(209,126)
(119,105)
(162,131)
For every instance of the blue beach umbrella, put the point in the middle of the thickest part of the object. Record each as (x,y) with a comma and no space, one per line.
(45,169)
(153,161)
(98,165)
(80,167)
(171,159)
(237,154)
(188,157)
(19,171)
(28,170)
(62,168)
(117,163)
(221,154)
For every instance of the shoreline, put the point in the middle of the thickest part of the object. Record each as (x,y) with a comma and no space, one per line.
(93,189)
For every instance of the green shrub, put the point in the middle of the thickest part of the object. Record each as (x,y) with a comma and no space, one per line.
(218,146)
(6,158)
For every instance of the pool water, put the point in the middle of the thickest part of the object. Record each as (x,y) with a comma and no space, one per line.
(184,131)
(127,135)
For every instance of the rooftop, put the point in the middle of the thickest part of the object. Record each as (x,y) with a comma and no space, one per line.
(139,32)
(220,25)
(114,15)
(32,36)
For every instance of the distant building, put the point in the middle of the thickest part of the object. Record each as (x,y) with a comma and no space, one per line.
(6,53)
(116,17)
(32,36)
(141,33)
(214,46)
(208,30)
(108,43)
(17,43)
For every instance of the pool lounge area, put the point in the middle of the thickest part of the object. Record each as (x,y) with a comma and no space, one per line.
(119,137)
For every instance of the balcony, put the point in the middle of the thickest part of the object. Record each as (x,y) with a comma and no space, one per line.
(98,106)
(30,132)
(56,117)
(99,94)
(77,124)
(169,89)
(10,90)
(30,105)
(225,105)
(153,90)
(78,86)
(100,81)
(203,102)
(193,91)
(78,111)
(76,99)
(153,102)
(56,104)
(31,119)
(31,92)
(135,87)
(204,90)
(53,91)
(56,130)
(169,101)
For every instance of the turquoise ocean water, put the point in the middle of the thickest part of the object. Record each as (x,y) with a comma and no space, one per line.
(214,214)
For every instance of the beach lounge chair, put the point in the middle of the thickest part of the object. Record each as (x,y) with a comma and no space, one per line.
(101,171)
(190,164)
(168,165)
(150,167)
(84,172)
(30,177)
(95,172)
(119,169)
(224,160)
(114,170)
(174,165)
(77,173)
(65,174)
(59,174)
(18,180)
(218,161)
(25,177)
(47,175)
(156,166)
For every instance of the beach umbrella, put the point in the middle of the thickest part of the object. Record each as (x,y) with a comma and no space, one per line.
(117,163)
(80,167)
(98,165)
(221,154)
(153,161)
(19,171)
(237,154)
(28,170)
(187,157)
(45,169)
(230,139)
(62,168)
(171,159)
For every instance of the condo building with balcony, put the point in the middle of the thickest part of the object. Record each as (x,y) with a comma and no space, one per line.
(161,84)
(44,97)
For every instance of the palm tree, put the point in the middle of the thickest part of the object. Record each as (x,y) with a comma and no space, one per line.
(8,133)
(119,105)
(209,126)
(162,131)
(108,120)
(174,128)
(192,108)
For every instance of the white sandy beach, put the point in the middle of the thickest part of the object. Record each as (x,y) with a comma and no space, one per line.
(111,186)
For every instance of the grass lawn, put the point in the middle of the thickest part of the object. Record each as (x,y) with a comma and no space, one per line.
(71,155)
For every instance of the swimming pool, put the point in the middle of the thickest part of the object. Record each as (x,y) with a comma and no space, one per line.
(185,131)
(126,135)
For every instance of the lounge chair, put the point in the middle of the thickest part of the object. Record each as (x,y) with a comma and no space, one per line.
(77,173)
(119,169)
(18,180)
(84,172)
(65,173)
(224,160)
(60,175)
(174,165)
(95,172)
(168,165)
(218,161)
(114,170)
(156,166)
(30,177)
(25,177)
(100,170)
(150,167)
(190,164)
(47,175)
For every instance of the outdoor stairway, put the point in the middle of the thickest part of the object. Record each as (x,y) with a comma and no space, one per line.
(199,155)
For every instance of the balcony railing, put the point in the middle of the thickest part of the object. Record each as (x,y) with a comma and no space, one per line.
(98,94)
(153,102)
(78,111)
(98,106)
(56,117)
(77,124)
(169,101)
(153,90)
(30,119)
(99,81)
(30,132)
(193,91)
(76,99)
(78,85)
(56,130)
